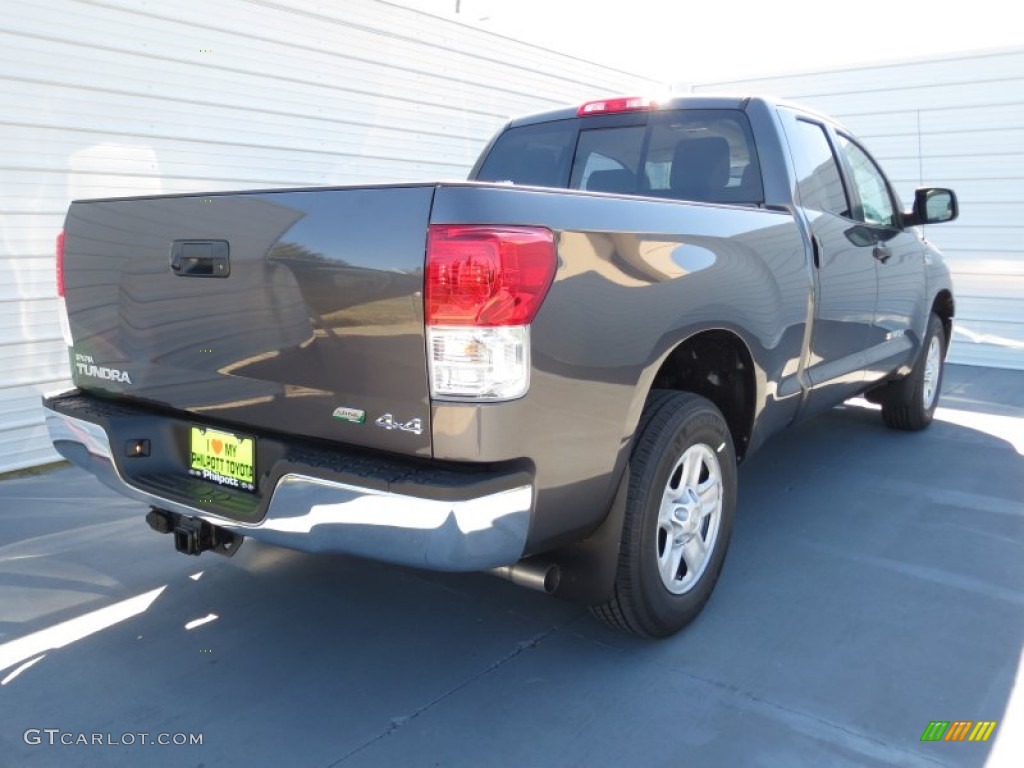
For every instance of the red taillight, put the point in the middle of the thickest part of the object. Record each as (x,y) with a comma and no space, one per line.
(487,275)
(60,264)
(610,106)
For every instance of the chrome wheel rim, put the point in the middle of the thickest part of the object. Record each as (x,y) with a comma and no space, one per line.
(689,518)
(932,368)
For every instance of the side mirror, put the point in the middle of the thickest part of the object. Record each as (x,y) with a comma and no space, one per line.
(932,205)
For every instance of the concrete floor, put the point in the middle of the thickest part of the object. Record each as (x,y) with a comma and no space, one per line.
(875,583)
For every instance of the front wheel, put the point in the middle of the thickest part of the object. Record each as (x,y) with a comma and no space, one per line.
(680,506)
(909,403)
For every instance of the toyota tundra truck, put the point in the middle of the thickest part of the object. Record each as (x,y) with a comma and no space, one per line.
(550,371)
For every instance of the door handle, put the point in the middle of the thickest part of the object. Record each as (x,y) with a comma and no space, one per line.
(200,258)
(882,253)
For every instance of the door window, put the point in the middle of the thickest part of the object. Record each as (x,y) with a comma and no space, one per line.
(819,184)
(876,206)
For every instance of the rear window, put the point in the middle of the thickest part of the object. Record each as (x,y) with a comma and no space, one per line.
(706,155)
(535,155)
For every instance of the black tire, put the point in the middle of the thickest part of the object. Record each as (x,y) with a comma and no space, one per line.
(672,424)
(909,404)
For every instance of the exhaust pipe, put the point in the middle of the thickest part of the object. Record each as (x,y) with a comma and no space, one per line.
(532,574)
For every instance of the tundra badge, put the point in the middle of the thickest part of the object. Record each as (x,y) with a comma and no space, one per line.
(87,367)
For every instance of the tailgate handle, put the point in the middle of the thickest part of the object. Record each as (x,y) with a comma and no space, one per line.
(200,258)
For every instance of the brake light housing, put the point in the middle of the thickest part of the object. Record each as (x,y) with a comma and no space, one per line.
(487,276)
(613,106)
(483,287)
(60,264)
(62,307)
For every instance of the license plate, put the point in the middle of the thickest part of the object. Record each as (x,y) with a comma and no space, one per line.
(223,458)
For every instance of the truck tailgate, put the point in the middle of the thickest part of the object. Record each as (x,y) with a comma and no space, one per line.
(295,311)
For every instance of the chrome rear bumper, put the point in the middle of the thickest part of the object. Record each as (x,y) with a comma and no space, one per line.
(315,514)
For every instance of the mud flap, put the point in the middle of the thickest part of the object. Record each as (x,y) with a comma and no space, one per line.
(588,568)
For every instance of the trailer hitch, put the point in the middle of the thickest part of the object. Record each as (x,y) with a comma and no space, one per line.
(193,535)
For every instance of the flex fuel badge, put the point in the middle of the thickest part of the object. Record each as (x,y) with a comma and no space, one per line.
(351,415)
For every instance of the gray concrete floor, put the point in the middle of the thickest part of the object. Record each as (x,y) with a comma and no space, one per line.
(875,583)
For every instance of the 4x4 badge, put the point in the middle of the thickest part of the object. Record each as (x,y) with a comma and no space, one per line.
(387,421)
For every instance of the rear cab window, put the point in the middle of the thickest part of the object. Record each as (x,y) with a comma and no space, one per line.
(532,155)
(702,155)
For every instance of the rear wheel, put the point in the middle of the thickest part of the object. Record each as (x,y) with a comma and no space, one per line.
(909,404)
(679,511)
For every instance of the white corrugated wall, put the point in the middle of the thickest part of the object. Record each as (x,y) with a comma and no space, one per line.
(126,97)
(953,121)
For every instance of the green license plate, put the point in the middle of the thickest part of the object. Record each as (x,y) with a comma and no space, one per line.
(223,458)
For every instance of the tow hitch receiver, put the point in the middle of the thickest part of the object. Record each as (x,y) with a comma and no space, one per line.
(192,535)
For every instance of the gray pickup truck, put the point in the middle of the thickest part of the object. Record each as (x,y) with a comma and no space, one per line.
(549,371)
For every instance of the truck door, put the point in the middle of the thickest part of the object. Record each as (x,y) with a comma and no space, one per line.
(845,279)
(899,263)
